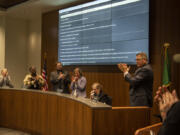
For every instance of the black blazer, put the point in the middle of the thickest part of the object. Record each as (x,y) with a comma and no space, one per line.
(141,85)
(62,83)
(104,98)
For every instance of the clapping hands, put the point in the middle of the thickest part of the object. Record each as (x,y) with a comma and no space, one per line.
(74,79)
(123,67)
(61,76)
(165,100)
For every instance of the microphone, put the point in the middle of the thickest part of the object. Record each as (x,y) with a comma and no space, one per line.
(176,58)
(92,94)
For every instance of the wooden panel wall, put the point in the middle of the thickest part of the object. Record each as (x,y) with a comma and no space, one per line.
(164,27)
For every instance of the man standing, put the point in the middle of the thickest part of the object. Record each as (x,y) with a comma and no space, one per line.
(60,79)
(141,84)
(33,80)
(5,80)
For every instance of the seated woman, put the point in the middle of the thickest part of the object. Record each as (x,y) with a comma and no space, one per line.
(78,84)
(33,80)
(169,107)
(97,94)
(5,80)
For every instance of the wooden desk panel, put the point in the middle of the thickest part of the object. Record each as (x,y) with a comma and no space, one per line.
(48,113)
(120,120)
(44,114)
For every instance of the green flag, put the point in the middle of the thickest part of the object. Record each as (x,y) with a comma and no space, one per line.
(166,71)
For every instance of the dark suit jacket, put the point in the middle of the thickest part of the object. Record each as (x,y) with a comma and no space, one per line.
(171,125)
(60,83)
(104,98)
(141,85)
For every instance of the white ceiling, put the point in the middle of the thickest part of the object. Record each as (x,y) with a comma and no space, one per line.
(34,8)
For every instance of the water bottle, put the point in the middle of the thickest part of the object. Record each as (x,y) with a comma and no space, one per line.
(75,93)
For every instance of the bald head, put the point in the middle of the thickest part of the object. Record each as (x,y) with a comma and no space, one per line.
(97,87)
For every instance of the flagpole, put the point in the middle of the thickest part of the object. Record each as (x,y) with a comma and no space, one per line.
(44,72)
(166,69)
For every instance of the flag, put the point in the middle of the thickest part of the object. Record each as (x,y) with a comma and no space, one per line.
(166,70)
(44,74)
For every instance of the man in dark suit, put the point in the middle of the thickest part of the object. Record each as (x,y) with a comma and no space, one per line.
(141,84)
(60,79)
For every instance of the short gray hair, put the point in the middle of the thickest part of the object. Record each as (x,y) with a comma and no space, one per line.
(143,55)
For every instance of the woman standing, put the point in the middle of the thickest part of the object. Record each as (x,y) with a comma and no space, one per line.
(78,84)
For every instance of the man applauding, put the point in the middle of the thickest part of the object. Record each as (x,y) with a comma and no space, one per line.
(33,80)
(60,79)
(5,80)
(141,82)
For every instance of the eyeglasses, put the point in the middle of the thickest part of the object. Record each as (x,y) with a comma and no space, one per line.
(138,59)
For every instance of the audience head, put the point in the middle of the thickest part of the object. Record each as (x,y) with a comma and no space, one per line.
(77,72)
(59,66)
(97,87)
(32,70)
(176,58)
(4,72)
(141,59)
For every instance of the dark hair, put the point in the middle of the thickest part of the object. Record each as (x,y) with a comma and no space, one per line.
(30,69)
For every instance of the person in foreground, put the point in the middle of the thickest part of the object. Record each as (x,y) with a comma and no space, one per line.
(33,80)
(141,83)
(78,83)
(60,79)
(98,94)
(5,80)
(169,107)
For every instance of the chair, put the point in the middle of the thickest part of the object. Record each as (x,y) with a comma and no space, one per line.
(149,130)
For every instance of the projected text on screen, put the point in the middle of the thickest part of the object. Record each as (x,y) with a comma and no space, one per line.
(103,32)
